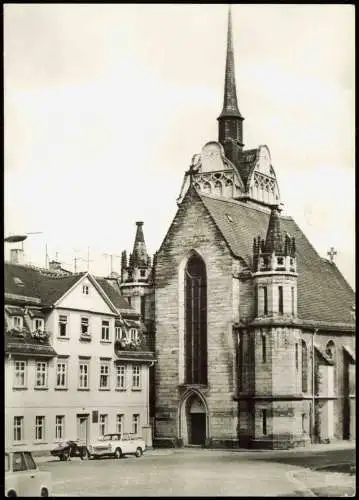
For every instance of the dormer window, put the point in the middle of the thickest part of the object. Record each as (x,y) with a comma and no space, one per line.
(17,322)
(18,281)
(133,334)
(143,273)
(280,261)
(85,289)
(38,324)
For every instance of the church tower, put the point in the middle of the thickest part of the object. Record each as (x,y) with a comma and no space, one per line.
(135,274)
(225,169)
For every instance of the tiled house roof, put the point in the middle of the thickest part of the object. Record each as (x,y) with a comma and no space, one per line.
(116,298)
(323,293)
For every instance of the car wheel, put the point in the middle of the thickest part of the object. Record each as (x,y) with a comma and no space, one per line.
(11,494)
(138,452)
(85,454)
(44,492)
(118,453)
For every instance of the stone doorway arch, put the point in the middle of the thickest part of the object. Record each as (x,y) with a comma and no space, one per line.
(194,420)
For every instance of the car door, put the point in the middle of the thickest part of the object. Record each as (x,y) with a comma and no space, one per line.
(24,482)
(34,475)
(125,443)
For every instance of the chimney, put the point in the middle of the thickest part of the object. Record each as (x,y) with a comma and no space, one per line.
(54,265)
(17,256)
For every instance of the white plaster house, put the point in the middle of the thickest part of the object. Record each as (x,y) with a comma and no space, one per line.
(76,359)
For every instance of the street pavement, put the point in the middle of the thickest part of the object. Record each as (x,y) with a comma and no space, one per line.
(205,472)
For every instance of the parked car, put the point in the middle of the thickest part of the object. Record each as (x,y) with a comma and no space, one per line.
(67,449)
(23,478)
(117,445)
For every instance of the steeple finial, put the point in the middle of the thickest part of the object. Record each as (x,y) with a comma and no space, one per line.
(230,133)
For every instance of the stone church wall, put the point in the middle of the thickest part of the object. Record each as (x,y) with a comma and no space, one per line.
(193,229)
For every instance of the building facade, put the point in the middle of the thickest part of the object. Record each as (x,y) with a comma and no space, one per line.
(76,359)
(255,336)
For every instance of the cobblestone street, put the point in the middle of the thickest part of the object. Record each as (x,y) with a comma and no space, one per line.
(195,472)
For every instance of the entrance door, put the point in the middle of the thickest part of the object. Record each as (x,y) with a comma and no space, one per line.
(198,428)
(82,428)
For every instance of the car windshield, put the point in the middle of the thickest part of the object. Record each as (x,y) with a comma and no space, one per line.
(7,462)
(107,437)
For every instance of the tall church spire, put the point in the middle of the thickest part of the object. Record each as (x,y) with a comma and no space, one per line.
(230,132)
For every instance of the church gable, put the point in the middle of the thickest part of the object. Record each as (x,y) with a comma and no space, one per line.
(262,182)
(212,173)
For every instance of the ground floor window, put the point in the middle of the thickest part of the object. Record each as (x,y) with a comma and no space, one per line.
(119,423)
(135,423)
(40,428)
(59,426)
(103,424)
(18,428)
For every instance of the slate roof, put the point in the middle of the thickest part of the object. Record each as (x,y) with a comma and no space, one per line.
(323,293)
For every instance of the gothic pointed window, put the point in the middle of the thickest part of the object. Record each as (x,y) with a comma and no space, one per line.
(196,321)
(218,188)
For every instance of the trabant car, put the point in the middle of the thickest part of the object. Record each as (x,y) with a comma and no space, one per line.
(69,448)
(117,445)
(23,478)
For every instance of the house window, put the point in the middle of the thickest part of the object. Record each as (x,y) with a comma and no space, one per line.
(118,332)
(40,428)
(143,273)
(105,332)
(20,374)
(62,326)
(103,424)
(61,374)
(304,367)
(85,289)
(85,326)
(280,300)
(84,375)
(104,375)
(121,377)
(129,300)
(17,322)
(133,334)
(38,324)
(296,357)
(264,422)
(136,377)
(59,427)
(195,313)
(135,423)
(41,374)
(119,423)
(18,428)
(264,347)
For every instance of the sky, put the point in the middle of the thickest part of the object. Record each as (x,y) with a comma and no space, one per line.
(105,105)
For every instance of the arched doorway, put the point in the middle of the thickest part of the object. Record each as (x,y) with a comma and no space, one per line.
(194,421)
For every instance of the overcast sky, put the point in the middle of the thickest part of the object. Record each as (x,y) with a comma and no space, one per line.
(105,106)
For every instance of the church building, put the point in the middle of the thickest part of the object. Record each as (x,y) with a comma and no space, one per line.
(254,330)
